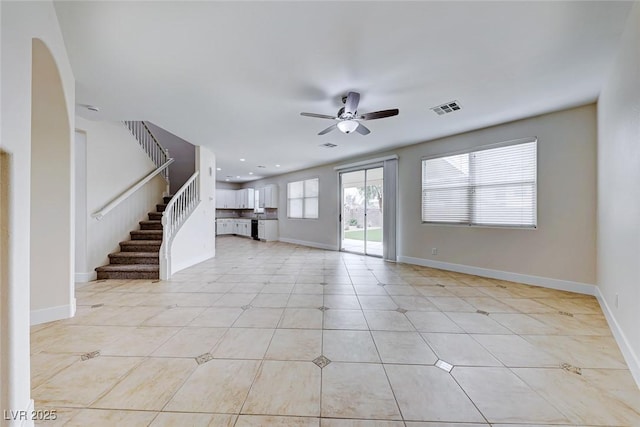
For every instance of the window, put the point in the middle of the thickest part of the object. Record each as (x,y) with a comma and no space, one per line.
(489,187)
(256,202)
(302,199)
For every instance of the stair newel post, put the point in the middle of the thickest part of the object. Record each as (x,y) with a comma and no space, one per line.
(165,259)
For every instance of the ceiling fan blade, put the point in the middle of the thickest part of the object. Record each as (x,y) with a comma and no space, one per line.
(362,129)
(319,116)
(379,114)
(329,129)
(351,104)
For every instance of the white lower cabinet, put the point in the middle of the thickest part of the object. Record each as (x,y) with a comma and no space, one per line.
(268,230)
(243,227)
(225,226)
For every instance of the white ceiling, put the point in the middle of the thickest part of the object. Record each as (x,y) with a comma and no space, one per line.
(234,76)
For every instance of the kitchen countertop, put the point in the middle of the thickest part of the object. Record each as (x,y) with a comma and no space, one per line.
(260,219)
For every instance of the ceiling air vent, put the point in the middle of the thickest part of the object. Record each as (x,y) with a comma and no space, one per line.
(328,145)
(449,107)
(261,166)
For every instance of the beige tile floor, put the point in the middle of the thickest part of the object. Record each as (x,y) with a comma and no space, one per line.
(232,342)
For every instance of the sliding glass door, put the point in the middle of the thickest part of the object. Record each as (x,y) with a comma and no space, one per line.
(361,218)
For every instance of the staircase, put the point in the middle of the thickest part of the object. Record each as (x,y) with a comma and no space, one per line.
(139,257)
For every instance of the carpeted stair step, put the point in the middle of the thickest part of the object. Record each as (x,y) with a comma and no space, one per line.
(160,207)
(146,235)
(150,225)
(124,271)
(140,246)
(134,258)
(166,199)
(155,216)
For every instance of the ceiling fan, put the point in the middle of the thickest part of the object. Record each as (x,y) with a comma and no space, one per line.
(348,118)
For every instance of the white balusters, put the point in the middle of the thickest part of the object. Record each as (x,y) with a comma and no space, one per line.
(175,214)
(150,145)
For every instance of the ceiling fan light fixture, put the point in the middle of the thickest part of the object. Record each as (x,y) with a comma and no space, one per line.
(348,126)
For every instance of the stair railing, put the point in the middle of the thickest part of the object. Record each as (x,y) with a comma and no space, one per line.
(158,155)
(179,208)
(99,214)
(156,152)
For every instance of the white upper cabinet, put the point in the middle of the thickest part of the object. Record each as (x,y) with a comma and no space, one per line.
(225,199)
(269,196)
(235,199)
(245,198)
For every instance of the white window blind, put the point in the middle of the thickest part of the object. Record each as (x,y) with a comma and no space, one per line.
(302,199)
(490,187)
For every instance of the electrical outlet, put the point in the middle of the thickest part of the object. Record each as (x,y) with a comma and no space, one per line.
(616,302)
(434,251)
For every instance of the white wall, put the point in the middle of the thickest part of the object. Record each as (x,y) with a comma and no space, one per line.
(81,266)
(52,215)
(115,162)
(562,249)
(619,193)
(563,245)
(21,22)
(195,241)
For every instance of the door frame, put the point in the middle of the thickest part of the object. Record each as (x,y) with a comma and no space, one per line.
(364,167)
(390,203)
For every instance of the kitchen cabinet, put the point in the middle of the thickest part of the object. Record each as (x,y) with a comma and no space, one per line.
(225,226)
(225,199)
(267,230)
(235,199)
(245,198)
(243,227)
(240,227)
(269,196)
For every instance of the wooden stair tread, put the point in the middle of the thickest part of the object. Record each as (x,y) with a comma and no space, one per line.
(153,232)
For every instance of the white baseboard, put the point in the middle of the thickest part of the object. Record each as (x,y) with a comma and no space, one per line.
(632,359)
(86,277)
(50,314)
(191,262)
(310,244)
(545,282)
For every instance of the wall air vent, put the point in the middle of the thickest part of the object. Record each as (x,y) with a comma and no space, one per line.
(328,145)
(449,107)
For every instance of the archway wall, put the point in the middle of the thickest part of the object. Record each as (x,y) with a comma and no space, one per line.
(52,245)
(21,22)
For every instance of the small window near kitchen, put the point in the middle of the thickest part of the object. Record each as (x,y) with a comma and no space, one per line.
(493,186)
(256,202)
(302,199)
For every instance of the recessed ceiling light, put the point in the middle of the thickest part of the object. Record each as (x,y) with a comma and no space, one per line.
(277,166)
(227,179)
(242,160)
(250,173)
(218,169)
(237,176)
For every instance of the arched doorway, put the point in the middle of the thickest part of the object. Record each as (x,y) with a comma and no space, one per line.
(52,213)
